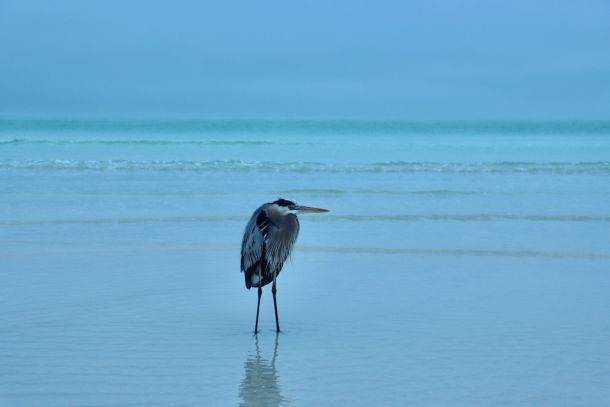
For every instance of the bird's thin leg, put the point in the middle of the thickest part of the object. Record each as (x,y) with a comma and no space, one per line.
(260,293)
(274,290)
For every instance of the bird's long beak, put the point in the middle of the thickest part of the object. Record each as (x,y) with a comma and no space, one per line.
(308,209)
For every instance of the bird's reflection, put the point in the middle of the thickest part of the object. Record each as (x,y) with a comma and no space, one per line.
(259,386)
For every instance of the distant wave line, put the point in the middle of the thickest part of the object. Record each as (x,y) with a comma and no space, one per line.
(411,145)
(348,127)
(313,191)
(168,219)
(18,141)
(355,250)
(484,217)
(306,191)
(454,252)
(297,192)
(239,166)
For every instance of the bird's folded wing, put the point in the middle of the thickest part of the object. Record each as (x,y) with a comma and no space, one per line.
(255,235)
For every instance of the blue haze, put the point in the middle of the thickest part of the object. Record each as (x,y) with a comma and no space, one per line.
(462,147)
(432,60)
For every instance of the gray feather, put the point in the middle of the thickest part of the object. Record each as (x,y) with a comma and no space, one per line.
(267,243)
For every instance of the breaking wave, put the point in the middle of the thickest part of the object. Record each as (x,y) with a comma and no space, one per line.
(239,166)
(438,217)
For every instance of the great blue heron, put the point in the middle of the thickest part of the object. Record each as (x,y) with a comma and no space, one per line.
(268,239)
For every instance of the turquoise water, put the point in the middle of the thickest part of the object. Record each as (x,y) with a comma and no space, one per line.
(462,263)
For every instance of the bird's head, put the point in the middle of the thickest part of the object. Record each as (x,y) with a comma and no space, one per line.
(286,207)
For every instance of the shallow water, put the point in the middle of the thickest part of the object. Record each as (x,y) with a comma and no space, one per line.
(462,264)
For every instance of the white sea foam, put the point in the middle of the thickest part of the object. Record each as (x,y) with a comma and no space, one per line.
(229,166)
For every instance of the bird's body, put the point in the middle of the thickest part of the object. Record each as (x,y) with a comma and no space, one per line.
(267,243)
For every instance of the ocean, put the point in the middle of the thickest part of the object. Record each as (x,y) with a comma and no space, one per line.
(462,264)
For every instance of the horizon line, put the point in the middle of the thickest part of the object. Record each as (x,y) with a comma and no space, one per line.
(270,119)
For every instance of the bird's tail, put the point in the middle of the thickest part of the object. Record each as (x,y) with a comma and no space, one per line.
(248,280)
(252,275)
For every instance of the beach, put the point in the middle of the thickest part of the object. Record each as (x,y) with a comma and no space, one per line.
(462,263)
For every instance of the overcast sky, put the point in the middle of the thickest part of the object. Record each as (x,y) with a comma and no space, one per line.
(416,60)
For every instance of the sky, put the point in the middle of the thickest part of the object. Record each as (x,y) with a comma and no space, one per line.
(383,59)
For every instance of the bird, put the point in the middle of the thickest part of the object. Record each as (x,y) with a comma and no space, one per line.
(268,239)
